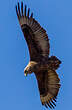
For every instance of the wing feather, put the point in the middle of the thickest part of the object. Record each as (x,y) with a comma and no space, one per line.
(39,42)
(22,8)
(48,83)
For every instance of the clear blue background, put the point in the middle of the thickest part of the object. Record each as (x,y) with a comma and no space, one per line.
(16,91)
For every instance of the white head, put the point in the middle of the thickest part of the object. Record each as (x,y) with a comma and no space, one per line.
(27,70)
(30,68)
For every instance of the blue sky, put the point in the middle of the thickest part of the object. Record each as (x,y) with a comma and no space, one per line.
(16,91)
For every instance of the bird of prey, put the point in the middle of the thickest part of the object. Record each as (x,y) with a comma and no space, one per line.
(43,66)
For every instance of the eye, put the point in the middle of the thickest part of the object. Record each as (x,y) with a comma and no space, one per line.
(25,71)
(30,70)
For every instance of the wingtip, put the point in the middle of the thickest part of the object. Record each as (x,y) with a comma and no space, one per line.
(28,12)
(16,8)
(22,8)
(25,6)
(31,15)
(18,5)
(22,12)
(45,105)
(25,10)
(21,2)
(54,99)
(16,11)
(51,104)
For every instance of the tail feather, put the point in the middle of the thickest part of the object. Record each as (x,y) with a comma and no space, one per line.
(54,62)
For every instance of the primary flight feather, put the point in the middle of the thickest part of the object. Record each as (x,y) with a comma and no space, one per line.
(40,63)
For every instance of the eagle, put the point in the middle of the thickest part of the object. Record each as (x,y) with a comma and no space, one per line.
(41,64)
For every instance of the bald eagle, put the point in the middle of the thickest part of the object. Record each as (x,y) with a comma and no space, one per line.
(43,66)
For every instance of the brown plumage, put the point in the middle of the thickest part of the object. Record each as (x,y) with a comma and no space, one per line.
(40,63)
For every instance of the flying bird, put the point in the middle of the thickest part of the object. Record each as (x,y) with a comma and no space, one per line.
(41,64)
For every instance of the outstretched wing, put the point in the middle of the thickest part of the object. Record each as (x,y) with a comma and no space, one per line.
(48,83)
(36,37)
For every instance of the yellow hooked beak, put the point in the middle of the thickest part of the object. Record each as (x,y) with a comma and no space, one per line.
(25,74)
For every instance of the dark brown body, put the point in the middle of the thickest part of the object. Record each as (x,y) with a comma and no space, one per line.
(40,63)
